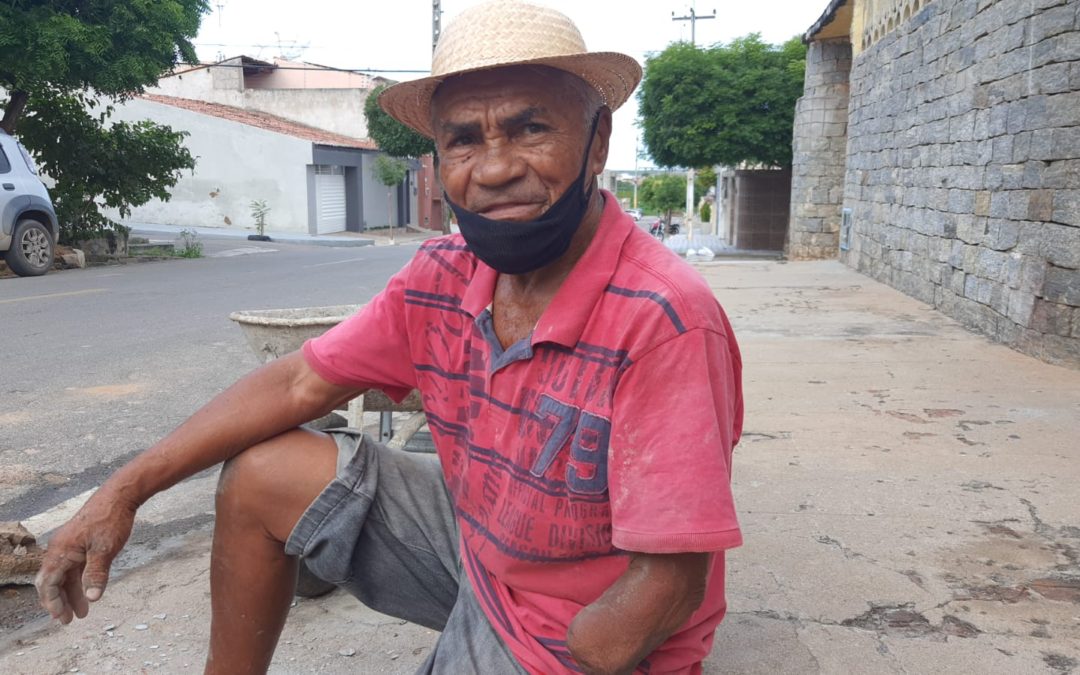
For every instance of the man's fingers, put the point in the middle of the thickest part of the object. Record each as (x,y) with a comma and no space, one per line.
(65,614)
(52,577)
(48,583)
(96,575)
(73,590)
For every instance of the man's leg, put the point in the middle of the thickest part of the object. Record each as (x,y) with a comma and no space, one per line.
(262,494)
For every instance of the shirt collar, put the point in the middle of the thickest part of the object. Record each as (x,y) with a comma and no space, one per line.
(564,319)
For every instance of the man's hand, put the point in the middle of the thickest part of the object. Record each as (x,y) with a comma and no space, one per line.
(75,570)
(279,396)
(653,598)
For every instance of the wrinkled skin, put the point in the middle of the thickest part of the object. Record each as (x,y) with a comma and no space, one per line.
(76,568)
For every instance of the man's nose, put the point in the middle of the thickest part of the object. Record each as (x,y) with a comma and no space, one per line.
(498,165)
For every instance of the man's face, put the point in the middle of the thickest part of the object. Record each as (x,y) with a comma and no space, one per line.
(512,140)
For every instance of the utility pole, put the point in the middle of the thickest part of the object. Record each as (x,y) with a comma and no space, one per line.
(637,155)
(432,185)
(436,22)
(693,18)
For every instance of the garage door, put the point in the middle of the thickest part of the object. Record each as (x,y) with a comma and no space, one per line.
(329,198)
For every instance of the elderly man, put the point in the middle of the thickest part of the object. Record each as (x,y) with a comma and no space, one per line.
(580,382)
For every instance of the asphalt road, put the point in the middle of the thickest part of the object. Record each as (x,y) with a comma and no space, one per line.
(99,363)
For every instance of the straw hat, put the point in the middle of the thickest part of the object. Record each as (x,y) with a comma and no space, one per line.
(507,33)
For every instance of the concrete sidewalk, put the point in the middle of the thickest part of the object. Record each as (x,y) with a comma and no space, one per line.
(907,492)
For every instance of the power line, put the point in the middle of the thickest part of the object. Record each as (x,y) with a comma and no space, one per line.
(323,70)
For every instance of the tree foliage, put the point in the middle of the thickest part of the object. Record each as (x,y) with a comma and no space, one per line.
(56,58)
(390,171)
(393,137)
(725,105)
(663,193)
(117,166)
(704,179)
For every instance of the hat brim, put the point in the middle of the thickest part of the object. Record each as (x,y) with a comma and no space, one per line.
(612,74)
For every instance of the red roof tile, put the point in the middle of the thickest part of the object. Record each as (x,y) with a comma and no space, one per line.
(265,121)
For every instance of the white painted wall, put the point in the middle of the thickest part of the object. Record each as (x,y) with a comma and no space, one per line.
(236,164)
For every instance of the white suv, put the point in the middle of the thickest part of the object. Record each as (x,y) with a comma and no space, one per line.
(28,228)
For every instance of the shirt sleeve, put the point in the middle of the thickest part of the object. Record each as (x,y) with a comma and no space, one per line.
(370,349)
(677,414)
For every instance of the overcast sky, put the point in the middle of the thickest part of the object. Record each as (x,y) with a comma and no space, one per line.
(396,34)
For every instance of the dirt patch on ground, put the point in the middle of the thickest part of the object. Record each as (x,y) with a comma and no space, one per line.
(17,417)
(18,606)
(1018,578)
(109,391)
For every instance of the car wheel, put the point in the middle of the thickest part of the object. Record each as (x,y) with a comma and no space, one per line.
(32,249)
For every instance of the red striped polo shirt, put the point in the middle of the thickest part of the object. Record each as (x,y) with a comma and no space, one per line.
(609,430)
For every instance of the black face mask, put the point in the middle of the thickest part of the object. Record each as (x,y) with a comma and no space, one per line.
(520,247)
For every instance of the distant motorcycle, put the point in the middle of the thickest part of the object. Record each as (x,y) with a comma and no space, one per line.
(659,231)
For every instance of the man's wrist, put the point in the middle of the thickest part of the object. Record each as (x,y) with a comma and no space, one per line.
(130,486)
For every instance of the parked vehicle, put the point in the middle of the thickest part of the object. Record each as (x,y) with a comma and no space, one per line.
(28,227)
(636,214)
(659,231)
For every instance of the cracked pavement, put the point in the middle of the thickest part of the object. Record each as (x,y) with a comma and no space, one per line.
(907,488)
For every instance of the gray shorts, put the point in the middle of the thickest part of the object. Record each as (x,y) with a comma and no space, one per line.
(384,530)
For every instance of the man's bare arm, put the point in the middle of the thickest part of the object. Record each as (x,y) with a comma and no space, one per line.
(643,608)
(275,398)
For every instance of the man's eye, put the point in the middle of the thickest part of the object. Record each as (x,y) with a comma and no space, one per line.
(534,128)
(459,141)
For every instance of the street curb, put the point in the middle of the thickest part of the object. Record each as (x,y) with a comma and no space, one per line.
(242,235)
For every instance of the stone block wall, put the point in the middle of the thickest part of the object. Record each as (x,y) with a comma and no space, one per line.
(819,146)
(963,167)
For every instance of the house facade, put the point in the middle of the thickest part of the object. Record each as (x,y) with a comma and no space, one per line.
(937,149)
(314,181)
(291,134)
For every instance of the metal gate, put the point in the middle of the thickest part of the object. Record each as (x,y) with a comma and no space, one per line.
(329,198)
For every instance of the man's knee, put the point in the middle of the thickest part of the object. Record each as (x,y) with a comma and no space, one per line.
(273,482)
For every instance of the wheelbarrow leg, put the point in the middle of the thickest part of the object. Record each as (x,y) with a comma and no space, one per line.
(386,426)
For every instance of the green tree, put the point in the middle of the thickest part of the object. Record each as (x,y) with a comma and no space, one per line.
(726,105)
(393,137)
(390,171)
(703,180)
(118,166)
(663,193)
(57,57)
